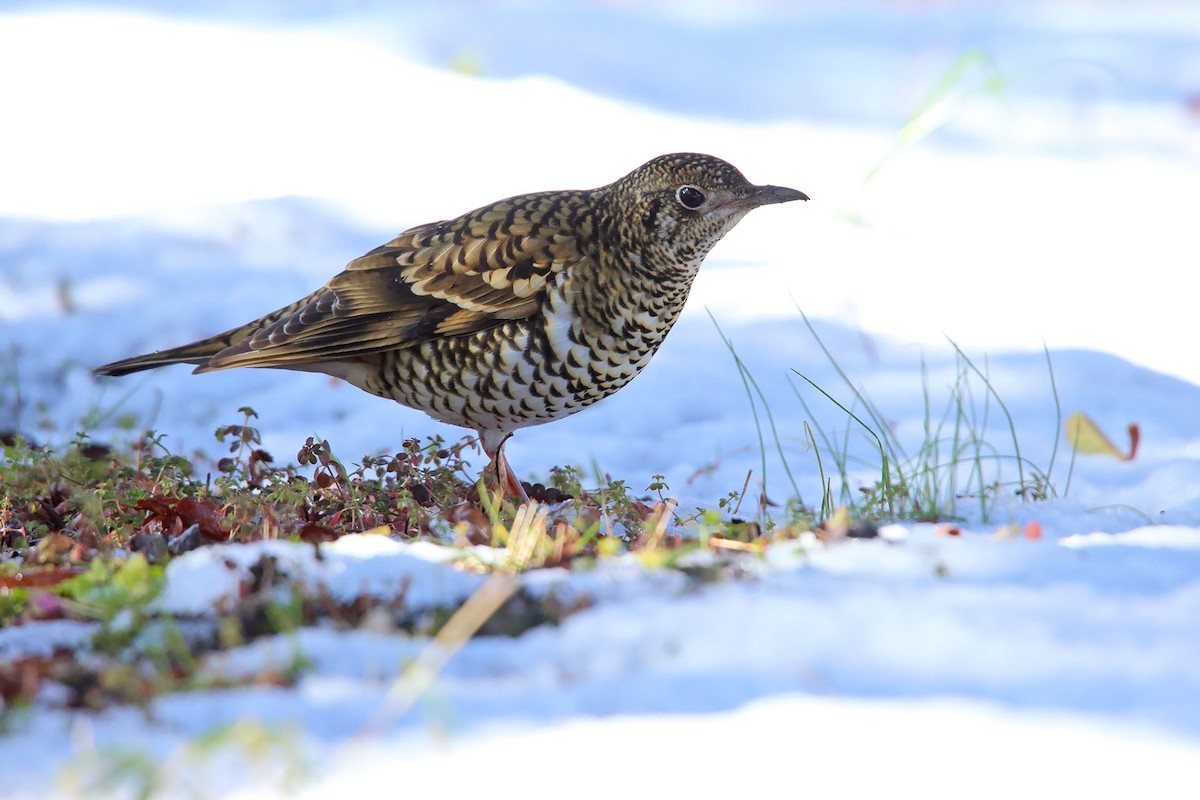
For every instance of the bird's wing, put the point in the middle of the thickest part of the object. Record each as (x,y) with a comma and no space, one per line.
(442,279)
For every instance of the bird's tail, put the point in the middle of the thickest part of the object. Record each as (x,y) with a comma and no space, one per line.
(197,353)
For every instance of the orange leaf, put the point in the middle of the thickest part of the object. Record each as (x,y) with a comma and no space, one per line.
(38,577)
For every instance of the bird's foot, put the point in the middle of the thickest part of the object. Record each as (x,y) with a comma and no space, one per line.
(505,477)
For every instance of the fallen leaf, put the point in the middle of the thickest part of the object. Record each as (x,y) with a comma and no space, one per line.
(315,534)
(189,511)
(1085,436)
(38,578)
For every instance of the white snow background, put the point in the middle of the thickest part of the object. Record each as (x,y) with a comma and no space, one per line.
(165,175)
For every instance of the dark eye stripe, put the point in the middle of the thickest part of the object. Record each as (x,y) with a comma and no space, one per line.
(651,217)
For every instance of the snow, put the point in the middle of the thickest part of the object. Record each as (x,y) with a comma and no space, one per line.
(804,740)
(360,566)
(169,174)
(1164,536)
(43,639)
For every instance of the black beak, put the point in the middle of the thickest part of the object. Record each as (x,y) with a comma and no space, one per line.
(767,195)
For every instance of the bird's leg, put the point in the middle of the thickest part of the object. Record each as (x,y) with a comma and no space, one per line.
(505,476)
(504,472)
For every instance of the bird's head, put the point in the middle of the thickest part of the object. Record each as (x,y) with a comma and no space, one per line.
(680,205)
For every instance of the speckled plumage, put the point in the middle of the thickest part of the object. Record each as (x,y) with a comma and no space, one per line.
(515,314)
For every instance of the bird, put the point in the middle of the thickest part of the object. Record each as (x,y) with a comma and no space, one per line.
(518,313)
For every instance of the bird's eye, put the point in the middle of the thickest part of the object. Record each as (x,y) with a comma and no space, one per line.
(689,197)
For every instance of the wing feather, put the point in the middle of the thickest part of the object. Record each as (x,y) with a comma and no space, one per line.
(443,279)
